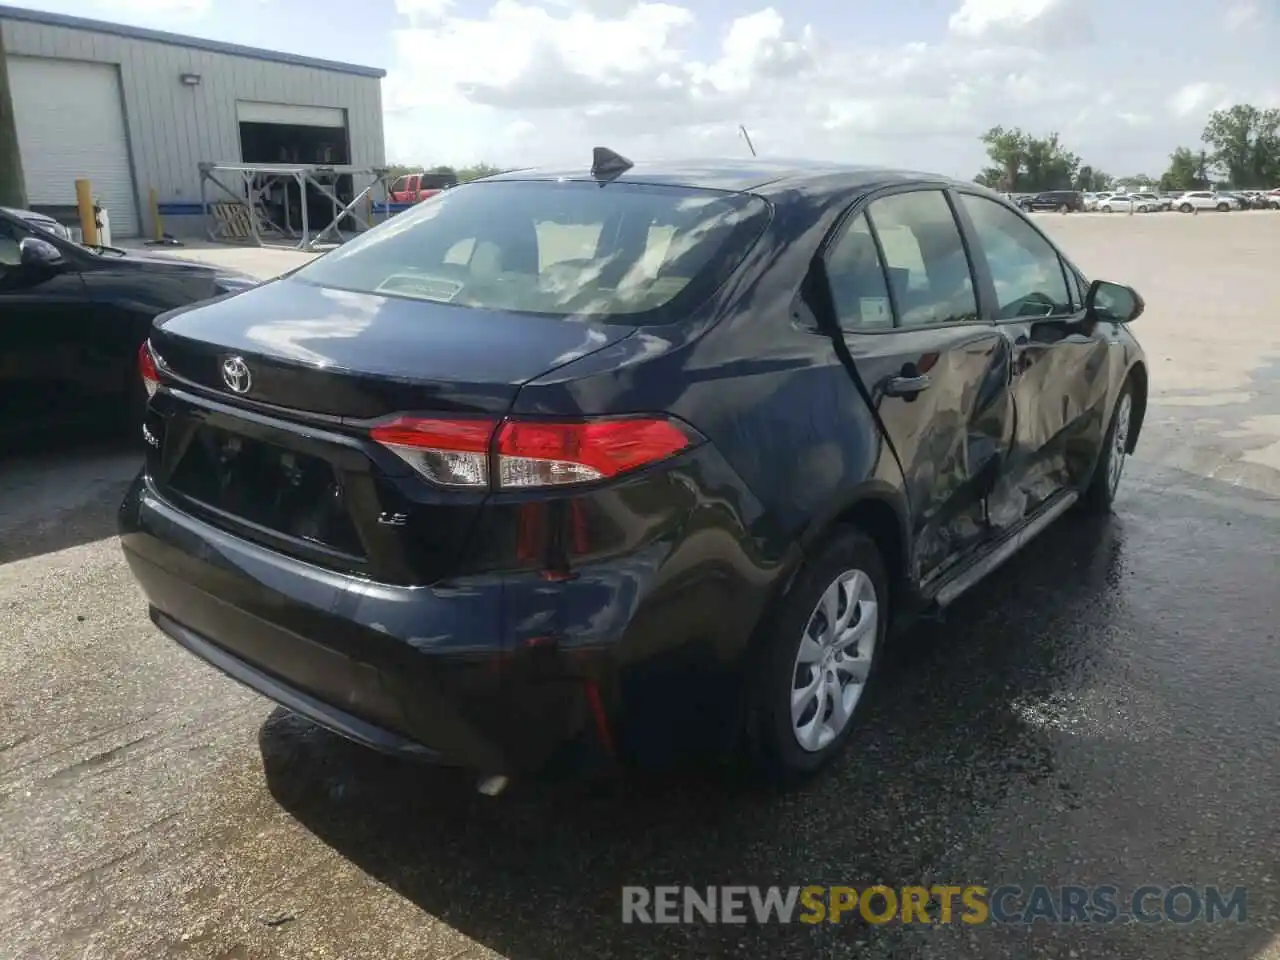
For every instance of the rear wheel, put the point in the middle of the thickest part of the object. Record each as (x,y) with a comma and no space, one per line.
(1223,207)
(820,651)
(1102,489)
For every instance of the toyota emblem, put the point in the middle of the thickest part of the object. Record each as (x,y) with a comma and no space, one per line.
(235,374)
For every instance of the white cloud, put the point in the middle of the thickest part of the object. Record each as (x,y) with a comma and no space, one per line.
(527,82)
(1049,23)
(1242,16)
(164,8)
(1196,99)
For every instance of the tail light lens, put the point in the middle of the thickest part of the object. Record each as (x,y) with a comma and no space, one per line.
(147,368)
(530,454)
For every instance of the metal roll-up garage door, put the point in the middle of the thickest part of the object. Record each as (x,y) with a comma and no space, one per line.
(70,123)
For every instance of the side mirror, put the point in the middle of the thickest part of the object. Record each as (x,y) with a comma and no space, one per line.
(1113,302)
(34,252)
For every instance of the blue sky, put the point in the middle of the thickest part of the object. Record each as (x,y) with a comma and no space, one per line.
(880,81)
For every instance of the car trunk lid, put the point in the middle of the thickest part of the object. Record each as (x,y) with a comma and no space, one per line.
(361,356)
(277,449)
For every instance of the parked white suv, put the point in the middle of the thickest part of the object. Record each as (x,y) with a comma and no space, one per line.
(1204,200)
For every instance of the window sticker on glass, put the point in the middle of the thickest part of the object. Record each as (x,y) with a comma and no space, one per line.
(875,312)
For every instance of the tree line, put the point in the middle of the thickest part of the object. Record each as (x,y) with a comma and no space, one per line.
(463,174)
(1240,148)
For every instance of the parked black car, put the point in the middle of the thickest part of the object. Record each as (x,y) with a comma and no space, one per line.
(567,466)
(74,319)
(44,223)
(1064,201)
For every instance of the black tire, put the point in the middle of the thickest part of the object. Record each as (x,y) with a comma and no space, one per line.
(1186,208)
(775,750)
(1063,208)
(1223,207)
(1100,495)
(1274,205)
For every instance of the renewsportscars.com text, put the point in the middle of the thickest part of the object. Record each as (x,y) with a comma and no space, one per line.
(939,904)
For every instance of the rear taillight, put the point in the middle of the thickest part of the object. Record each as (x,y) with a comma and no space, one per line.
(530,454)
(147,368)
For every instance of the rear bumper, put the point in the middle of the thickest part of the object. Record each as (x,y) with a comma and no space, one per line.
(414,671)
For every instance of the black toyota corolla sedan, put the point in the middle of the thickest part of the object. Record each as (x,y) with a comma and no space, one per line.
(612,464)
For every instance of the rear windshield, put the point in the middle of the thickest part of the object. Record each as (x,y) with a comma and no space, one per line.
(632,253)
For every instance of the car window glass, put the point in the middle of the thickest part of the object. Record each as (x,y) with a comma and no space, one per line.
(924,257)
(1025,269)
(858,287)
(635,253)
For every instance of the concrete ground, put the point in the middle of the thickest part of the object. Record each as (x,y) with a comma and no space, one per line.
(1101,711)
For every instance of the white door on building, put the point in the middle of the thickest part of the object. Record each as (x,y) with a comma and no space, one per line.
(70,123)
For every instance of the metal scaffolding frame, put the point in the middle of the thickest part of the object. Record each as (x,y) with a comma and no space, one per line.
(244,216)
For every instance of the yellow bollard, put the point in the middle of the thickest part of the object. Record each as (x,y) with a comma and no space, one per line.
(88,221)
(157,228)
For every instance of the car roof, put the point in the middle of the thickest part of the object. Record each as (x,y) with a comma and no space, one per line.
(738,175)
(26,214)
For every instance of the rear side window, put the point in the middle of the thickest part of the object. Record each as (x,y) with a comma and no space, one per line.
(627,252)
(1026,270)
(858,287)
(924,258)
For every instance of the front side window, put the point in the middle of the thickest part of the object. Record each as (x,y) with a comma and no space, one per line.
(619,251)
(1025,269)
(925,258)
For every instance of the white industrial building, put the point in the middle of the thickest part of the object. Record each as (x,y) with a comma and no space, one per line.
(136,111)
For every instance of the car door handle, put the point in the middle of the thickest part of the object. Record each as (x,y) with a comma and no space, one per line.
(907,386)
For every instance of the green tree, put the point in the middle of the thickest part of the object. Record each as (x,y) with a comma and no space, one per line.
(1091,180)
(1007,150)
(1246,144)
(1050,166)
(1185,170)
(1022,162)
(477,171)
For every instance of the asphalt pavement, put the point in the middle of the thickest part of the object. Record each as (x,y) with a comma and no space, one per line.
(1102,711)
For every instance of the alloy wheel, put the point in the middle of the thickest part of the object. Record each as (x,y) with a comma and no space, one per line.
(1119,444)
(834,660)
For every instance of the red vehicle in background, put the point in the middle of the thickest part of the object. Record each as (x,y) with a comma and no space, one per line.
(418,186)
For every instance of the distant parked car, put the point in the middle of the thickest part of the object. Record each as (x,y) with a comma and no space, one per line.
(72,319)
(1150,200)
(415,187)
(1063,201)
(1207,200)
(40,221)
(1125,203)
